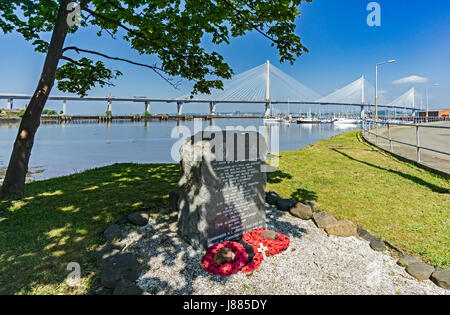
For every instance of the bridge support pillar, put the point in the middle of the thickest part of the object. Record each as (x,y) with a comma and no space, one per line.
(109,106)
(362,114)
(180,108)
(267,111)
(147,107)
(64,107)
(212,108)
(10,104)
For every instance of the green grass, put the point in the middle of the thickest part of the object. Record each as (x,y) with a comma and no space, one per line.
(399,202)
(60,220)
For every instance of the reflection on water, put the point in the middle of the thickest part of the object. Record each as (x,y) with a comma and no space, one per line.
(62,149)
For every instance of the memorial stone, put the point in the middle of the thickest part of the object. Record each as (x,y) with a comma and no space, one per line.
(222,186)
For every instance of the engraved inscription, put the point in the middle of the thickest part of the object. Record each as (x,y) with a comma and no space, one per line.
(241,208)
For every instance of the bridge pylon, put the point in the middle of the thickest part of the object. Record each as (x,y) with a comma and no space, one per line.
(212,108)
(9,106)
(362,113)
(180,108)
(267,111)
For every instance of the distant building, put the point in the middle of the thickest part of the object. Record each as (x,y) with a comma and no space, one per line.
(5,110)
(436,113)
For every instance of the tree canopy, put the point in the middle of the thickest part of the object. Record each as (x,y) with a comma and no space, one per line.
(171,30)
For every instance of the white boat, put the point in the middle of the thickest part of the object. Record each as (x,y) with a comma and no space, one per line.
(287,120)
(347,121)
(309,120)
(272,120)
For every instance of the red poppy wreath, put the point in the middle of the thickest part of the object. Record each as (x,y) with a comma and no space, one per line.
(274,246)
(228,268)
(255,258)
(254,264)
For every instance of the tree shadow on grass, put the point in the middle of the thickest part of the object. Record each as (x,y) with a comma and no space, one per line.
(413,178)
(174,267)
(164,251)
(59,221)
(277,177)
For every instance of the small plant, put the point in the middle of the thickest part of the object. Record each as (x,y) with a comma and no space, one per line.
(49,112)
(21,112)
(147,113)
(61,112)
(108,113)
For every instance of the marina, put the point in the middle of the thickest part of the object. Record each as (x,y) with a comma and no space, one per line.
(65,148)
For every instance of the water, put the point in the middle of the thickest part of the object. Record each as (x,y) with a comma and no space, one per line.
(62,149)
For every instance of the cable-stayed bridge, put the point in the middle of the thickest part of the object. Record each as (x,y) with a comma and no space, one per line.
(264,84)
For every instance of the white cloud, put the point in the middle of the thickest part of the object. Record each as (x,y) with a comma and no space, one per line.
(411,79)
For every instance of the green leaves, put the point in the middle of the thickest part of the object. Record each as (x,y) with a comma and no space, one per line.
(173,31)
(40,45)
(82,75)
(28,17)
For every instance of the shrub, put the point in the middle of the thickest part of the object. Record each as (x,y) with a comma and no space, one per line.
(49,112)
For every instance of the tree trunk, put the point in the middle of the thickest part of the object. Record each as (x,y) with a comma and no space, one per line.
(14,182)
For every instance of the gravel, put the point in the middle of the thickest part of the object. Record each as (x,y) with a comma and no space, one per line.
(314,263)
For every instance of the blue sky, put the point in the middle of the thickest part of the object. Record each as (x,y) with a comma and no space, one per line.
(342,47)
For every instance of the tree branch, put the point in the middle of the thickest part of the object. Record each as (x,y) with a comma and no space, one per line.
(133,32)
(90,66)
(156,69)
(109,57)
(256,28)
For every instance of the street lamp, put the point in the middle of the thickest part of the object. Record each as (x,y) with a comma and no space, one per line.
(426,90)
(376,85)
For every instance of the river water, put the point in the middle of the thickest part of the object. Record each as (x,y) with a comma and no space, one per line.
(62,149)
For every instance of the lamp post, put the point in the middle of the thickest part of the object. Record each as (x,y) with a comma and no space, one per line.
(376,85)
(426,90)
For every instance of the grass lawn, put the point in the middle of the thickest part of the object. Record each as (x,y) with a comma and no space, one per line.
(60,220)
(399,202)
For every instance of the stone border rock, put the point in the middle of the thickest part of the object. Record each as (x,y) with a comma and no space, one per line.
(120,269)
(345,228)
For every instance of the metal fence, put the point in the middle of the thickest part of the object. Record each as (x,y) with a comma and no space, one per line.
(372,127)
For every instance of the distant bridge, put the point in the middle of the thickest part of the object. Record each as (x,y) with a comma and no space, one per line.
(264,84)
